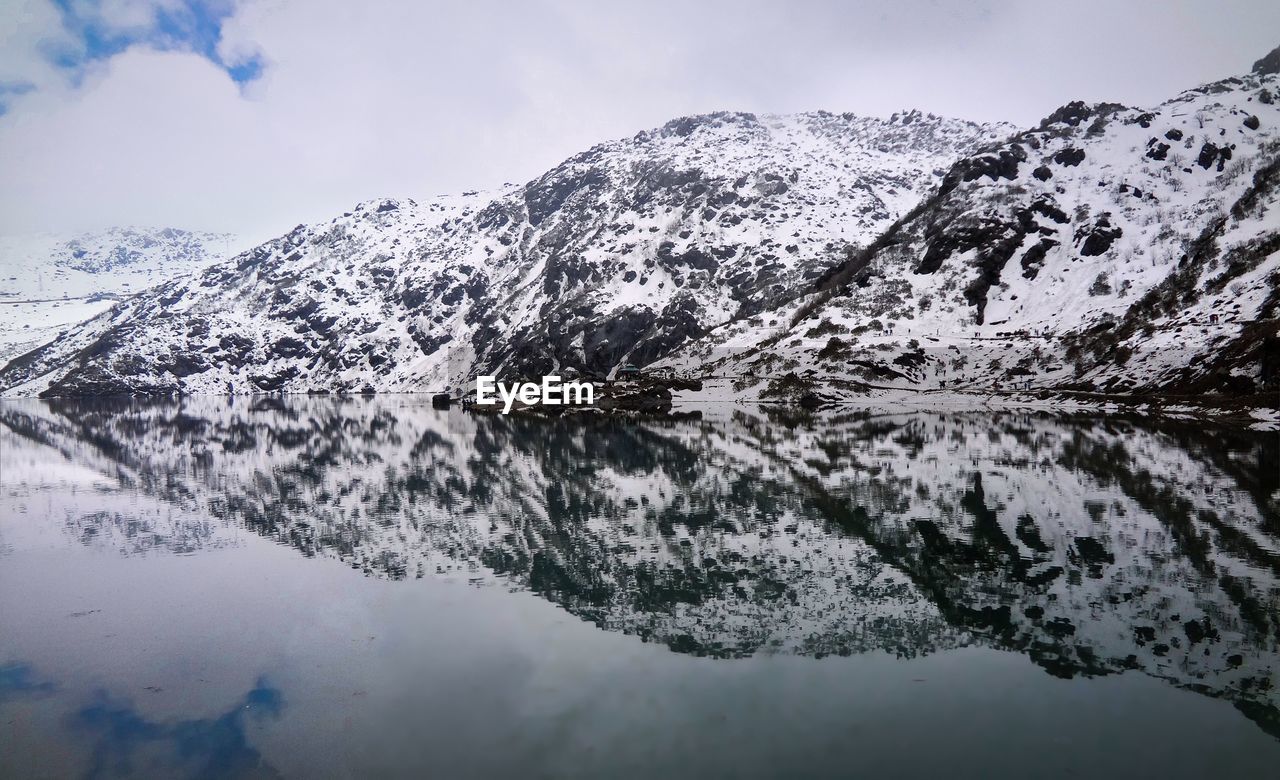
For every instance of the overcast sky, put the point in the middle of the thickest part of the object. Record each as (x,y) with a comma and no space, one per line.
(254,115)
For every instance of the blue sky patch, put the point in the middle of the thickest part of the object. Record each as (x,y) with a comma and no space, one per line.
(189,25)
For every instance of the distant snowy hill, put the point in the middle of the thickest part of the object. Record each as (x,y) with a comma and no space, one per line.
(619,255)
(1110,248)
(50,282)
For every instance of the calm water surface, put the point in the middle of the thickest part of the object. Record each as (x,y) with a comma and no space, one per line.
(355,587)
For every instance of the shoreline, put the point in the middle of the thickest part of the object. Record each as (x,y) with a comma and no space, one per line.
(715,398)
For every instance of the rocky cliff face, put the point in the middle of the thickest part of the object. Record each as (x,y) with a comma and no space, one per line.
(621,254)
(1109,248)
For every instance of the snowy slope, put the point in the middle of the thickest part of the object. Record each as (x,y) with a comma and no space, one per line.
(621,254)
(50,282)
(1110,248)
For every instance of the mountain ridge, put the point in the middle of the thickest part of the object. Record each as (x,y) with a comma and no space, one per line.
(620,254)
(1108,249)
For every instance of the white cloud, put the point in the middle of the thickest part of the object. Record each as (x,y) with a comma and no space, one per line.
(30,31)
(360,100)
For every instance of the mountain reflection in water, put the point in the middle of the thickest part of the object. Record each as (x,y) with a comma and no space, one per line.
(1092,546)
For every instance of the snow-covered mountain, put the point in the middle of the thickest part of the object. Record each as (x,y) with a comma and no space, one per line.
(1109,248)
(621,254)
(50,282)
(1090,546)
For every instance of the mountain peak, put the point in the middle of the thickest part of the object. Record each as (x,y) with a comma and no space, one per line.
(682,127)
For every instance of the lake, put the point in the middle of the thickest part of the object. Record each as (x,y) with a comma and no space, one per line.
(365,586)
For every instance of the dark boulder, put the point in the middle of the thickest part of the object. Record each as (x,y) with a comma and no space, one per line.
(270,383)
(1033,258)
(289,347)
(1001,164)
(1071,114)
(811,401)
(684,384)
(1098,237)
(1211,153)
(1069,156)
(647,399)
